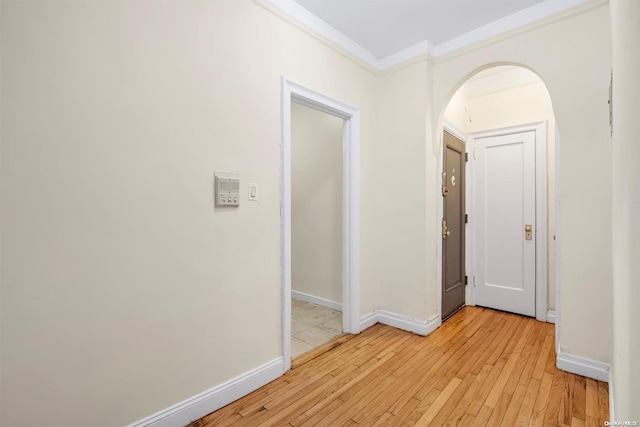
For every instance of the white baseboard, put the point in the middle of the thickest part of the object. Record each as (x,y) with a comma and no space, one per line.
(551,316)
(612,411)
(420,327)
(368,320)
(215,398)
(301,296)
(581,366)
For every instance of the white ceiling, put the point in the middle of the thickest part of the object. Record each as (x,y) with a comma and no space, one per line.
(384,33)
(384,27)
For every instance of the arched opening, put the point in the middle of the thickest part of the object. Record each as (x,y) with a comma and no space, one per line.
(501,118)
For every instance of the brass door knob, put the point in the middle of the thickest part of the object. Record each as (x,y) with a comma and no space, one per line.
(528,233)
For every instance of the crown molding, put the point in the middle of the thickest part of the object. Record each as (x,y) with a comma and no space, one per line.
(507,24)
(519,22)
(419,50)
(584,6)
(300,17)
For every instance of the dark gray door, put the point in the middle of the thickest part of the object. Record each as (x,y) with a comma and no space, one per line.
(453,225)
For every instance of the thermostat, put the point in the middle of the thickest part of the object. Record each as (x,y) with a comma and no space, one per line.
(227,187)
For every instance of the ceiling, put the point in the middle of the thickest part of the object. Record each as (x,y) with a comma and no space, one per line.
(387,32)
(384,27)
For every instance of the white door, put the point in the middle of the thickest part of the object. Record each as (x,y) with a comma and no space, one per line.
(504,206)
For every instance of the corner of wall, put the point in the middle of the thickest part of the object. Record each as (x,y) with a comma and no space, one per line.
(405,323)
(600,371)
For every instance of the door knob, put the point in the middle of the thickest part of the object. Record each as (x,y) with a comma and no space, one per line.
(528,234)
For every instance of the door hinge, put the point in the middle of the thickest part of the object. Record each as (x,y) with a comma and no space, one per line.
(466,280)
(466,218)
(466,157)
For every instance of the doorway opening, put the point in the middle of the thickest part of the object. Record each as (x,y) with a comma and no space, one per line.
(299,238)
(505,119)
(316,228)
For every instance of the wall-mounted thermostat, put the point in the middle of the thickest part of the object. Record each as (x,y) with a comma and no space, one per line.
(227,189)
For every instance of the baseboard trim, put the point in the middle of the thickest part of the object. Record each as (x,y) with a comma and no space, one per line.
(551,316)
(582,366)
(368,320)
(215,398)
(301,296)
(612,411)
(416,326)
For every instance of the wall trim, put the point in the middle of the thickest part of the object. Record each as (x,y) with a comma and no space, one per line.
(583,366)
(551,316)
(526,20)
(298,16)
(399,321)
(295,92)
(571,12)
(558,239)
(612,412)
(301,296)
(368,320)
(455,131)
(507,25)
(204,403)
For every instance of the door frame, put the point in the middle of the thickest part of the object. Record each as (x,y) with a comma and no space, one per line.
(451,129)
(295,92)
(541,281)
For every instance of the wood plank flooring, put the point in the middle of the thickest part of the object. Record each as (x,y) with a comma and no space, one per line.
(481,368)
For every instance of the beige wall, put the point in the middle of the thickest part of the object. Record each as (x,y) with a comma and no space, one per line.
(121,282)
(316,199)
(625,21)
(124,291)
(572,57)
(396,182)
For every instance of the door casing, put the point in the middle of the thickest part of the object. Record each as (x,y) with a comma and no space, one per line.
(295,92)
(540,129)
(453,225)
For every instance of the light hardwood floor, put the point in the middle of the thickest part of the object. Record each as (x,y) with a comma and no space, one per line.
(481,368)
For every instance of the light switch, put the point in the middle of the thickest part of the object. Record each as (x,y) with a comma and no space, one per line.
(253,192)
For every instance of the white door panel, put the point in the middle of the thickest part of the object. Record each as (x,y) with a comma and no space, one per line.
(504,204)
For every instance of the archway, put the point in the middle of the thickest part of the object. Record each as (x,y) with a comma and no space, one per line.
(492,100)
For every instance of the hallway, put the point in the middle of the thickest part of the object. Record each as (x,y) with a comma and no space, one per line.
(482,367)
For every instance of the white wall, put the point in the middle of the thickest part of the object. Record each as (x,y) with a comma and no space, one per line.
(316,198)
(572,57)
(625,22)
(124,291)
(456,112)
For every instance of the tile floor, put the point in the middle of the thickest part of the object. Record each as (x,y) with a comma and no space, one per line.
(312,325)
